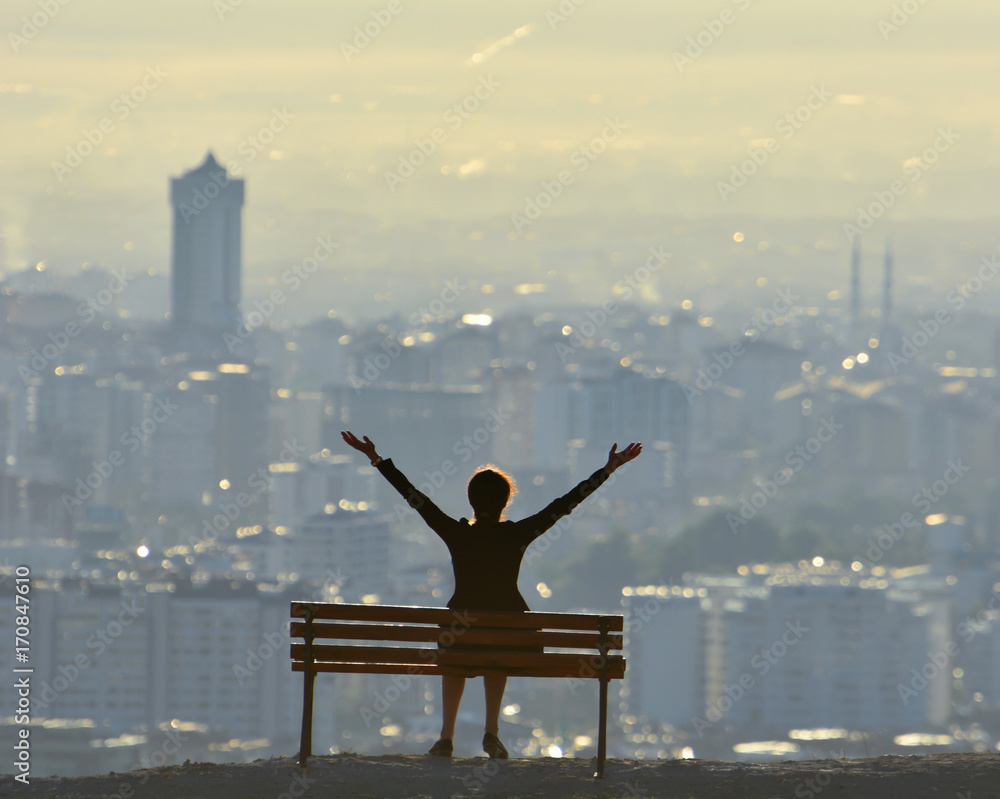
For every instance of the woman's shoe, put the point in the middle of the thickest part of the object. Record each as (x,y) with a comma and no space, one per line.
(442,748)
(494,746)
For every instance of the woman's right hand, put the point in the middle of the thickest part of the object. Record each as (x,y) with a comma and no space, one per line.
(367,447)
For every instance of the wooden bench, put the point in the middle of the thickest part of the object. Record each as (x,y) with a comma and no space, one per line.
(584,643)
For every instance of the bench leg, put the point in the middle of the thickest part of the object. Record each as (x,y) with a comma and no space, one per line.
(305,745)
(602,734)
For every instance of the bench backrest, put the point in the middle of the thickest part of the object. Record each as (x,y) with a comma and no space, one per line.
(396,639)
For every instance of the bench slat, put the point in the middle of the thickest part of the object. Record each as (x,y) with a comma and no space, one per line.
(616,669)
(389,632)
(402,656)
(418,615)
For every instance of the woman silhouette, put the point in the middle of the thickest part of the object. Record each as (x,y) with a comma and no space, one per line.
(486,558)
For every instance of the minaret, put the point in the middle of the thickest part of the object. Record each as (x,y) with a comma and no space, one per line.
(207,256)
(887,284)
(855,320)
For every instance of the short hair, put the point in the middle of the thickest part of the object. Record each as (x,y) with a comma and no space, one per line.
(490,489)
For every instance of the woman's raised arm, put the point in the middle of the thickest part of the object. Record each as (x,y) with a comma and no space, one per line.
(539,523)
(436,519)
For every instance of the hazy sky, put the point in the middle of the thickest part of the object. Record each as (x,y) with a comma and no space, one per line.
(218,73)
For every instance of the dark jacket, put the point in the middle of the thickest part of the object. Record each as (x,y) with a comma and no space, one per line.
(486,556)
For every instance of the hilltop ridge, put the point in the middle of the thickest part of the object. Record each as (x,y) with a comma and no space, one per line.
(947,776)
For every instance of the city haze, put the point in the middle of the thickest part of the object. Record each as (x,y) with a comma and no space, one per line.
(228,67)
(757,236)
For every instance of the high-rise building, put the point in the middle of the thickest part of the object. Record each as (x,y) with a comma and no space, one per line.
(665,643)
(207,257)
(350,547)
(788,647)
(299,490)
(124,657)
(213,443)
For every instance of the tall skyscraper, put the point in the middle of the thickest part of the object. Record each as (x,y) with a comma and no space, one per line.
(887,285)
(207,257)
(855,311)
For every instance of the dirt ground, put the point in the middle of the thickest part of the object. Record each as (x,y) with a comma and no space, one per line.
(951,776)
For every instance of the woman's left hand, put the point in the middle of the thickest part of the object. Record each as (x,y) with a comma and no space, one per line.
(616,459)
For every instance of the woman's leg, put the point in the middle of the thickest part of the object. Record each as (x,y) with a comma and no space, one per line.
(495,685)
(451,696)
